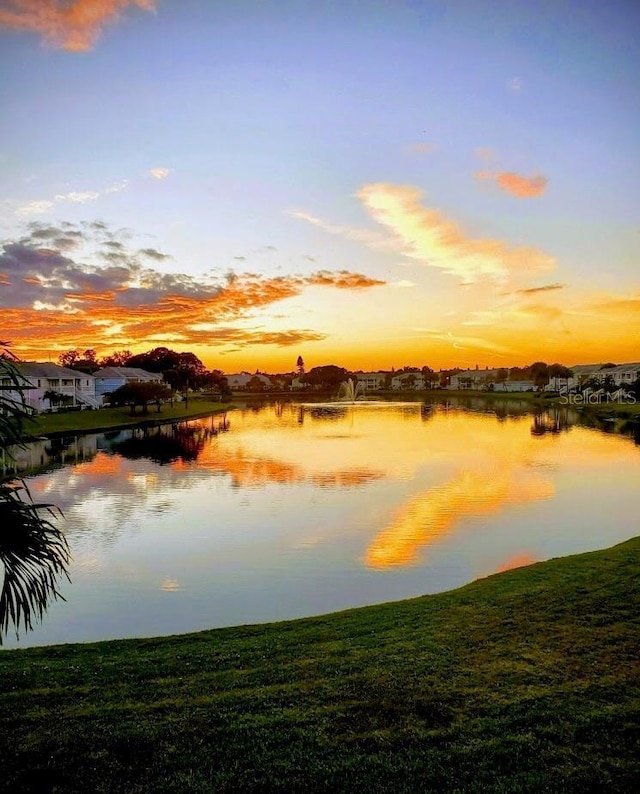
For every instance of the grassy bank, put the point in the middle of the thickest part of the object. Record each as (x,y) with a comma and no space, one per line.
(525,681)
(110,418)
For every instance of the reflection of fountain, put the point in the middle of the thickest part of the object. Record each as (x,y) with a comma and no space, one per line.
(552,421)
(351,390)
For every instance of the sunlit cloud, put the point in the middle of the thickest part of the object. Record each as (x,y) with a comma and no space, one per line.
(34,208)
(403,284)
(365,236)
(159,173)
(427,236)
(74,26)
(521,186)
(461,342)
(40,207)
(50,294)
(79,197)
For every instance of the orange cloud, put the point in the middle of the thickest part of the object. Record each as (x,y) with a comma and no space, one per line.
(426,235)
(521,186)
(54,302)
(74,26)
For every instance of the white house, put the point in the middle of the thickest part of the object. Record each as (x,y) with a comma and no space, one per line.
(77,387)
(240,381)
(408,381)
(622,374)
(371,381)
(109,379)
(515,385)
(473,379)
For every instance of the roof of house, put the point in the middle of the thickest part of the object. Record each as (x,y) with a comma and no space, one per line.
(242,378)
(128,373)
(36,369)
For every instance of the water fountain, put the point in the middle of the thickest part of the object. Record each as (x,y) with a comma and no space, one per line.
(351,390)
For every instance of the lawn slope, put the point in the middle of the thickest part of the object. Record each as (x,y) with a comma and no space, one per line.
(526,681)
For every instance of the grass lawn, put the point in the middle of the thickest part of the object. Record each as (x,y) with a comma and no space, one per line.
(106,418)
(527,681)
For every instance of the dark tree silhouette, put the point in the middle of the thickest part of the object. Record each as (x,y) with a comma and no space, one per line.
(34,553)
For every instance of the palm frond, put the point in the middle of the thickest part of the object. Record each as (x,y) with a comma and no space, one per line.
(34,553)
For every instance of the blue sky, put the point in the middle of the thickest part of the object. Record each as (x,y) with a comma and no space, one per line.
(264,123)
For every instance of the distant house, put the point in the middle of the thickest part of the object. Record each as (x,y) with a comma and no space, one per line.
(622,374)
(62,386)
(371,381)
(109,379)
(240,381)
(473,379)
(515,385)
(407,381)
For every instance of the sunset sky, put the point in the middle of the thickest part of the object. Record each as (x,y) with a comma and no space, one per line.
(368,183)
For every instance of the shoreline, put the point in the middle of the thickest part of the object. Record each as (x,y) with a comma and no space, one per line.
(524,680)
(81,422)
(122,420)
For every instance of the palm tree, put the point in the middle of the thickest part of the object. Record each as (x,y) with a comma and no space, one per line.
(33,551)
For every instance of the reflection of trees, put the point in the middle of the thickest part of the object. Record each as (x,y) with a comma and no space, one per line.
(33,551)
(170,443)
(632,429)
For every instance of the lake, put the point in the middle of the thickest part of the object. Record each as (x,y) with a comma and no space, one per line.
(291,510)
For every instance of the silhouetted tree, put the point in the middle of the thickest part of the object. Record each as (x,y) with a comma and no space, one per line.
(33,551)
(329,376)
(119,358)
(85,362)
(134,394)
(539,374)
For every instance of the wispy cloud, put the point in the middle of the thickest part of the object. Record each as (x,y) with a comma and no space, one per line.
(73,26)
(34,208)
(40,207)
(79,197)
(159,173)
(461,342)
(543,288)
(424,234)
(365,236)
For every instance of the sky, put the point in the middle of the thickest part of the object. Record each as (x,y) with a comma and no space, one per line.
(368,183)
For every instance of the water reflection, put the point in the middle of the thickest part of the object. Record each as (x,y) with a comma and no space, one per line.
(429,516)
(555,420)
(295,510)
(182,441)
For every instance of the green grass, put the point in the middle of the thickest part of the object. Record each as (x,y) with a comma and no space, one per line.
(527,681)
(108,418)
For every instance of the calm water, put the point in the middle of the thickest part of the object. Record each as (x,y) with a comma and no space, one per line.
(290,510)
